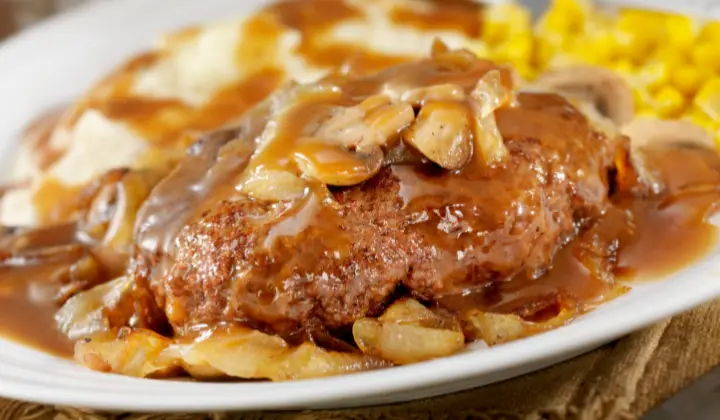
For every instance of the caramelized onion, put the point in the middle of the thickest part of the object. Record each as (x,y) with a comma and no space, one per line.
(113,204)
(223,352)
(96,310)
(488,95)
(408,332)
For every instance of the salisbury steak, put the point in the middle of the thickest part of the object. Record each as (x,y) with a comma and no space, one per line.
(340,253)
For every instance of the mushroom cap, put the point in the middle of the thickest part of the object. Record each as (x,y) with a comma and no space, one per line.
(602,87)
(644,131)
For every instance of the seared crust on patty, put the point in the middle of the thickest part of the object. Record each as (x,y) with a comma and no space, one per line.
(327,260)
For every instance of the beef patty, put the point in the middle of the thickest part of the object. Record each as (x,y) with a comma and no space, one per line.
(340,254)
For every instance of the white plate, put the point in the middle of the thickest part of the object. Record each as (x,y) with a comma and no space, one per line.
(56,61)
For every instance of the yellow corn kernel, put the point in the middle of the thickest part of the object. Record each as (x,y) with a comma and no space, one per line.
(688,78)
(542,52)
(526,71)
(642,98)
(653,74)
(636,33)
(505,20)
(516,50)
(706,55)
(710,32)
(493,32)
(707,99)
(631,45)
(564,17)
(553,23)
(646,112)
(699,118)
(572,57)
(668,102)
(623,67)
(672,57)
(680,32)
(598,44)
(696,117)
(576,12)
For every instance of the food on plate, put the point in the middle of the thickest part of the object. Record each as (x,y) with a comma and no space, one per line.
(669,60)
(150,109)
(201,78)
(382,212)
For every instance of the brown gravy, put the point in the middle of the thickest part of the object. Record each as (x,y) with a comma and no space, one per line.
(666,234)
(162,122)
(27,309)
(656,236)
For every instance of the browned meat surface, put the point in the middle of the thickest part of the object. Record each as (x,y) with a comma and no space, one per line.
(298,267)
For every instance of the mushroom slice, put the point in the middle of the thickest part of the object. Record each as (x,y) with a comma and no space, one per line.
(599,121)
(334,165)
(442,134)
(605,89)
(389,121)
(646,132)
(374,122)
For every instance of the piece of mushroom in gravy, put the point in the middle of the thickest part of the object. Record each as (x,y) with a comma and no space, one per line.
(604,89)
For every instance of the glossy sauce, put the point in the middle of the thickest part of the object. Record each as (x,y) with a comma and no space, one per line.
(29,286)
(164,122)
(648,237)
(314,20)
(442,15)
(654,237)
(27,308)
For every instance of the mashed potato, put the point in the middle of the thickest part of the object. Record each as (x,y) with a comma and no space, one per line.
(198,79)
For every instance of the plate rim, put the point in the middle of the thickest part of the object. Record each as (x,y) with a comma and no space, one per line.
(527,353)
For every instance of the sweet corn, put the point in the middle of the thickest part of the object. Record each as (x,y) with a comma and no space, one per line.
(516,50)
(654,74)
(706,55)
(636,33)
(505,21)
(623,67)
(671,62)
(710,32)
(698,117)
(688,78)
(566,16)
(646,112)
(680,32)
(643,98)
(708,99)
(671,56)
(668,102)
